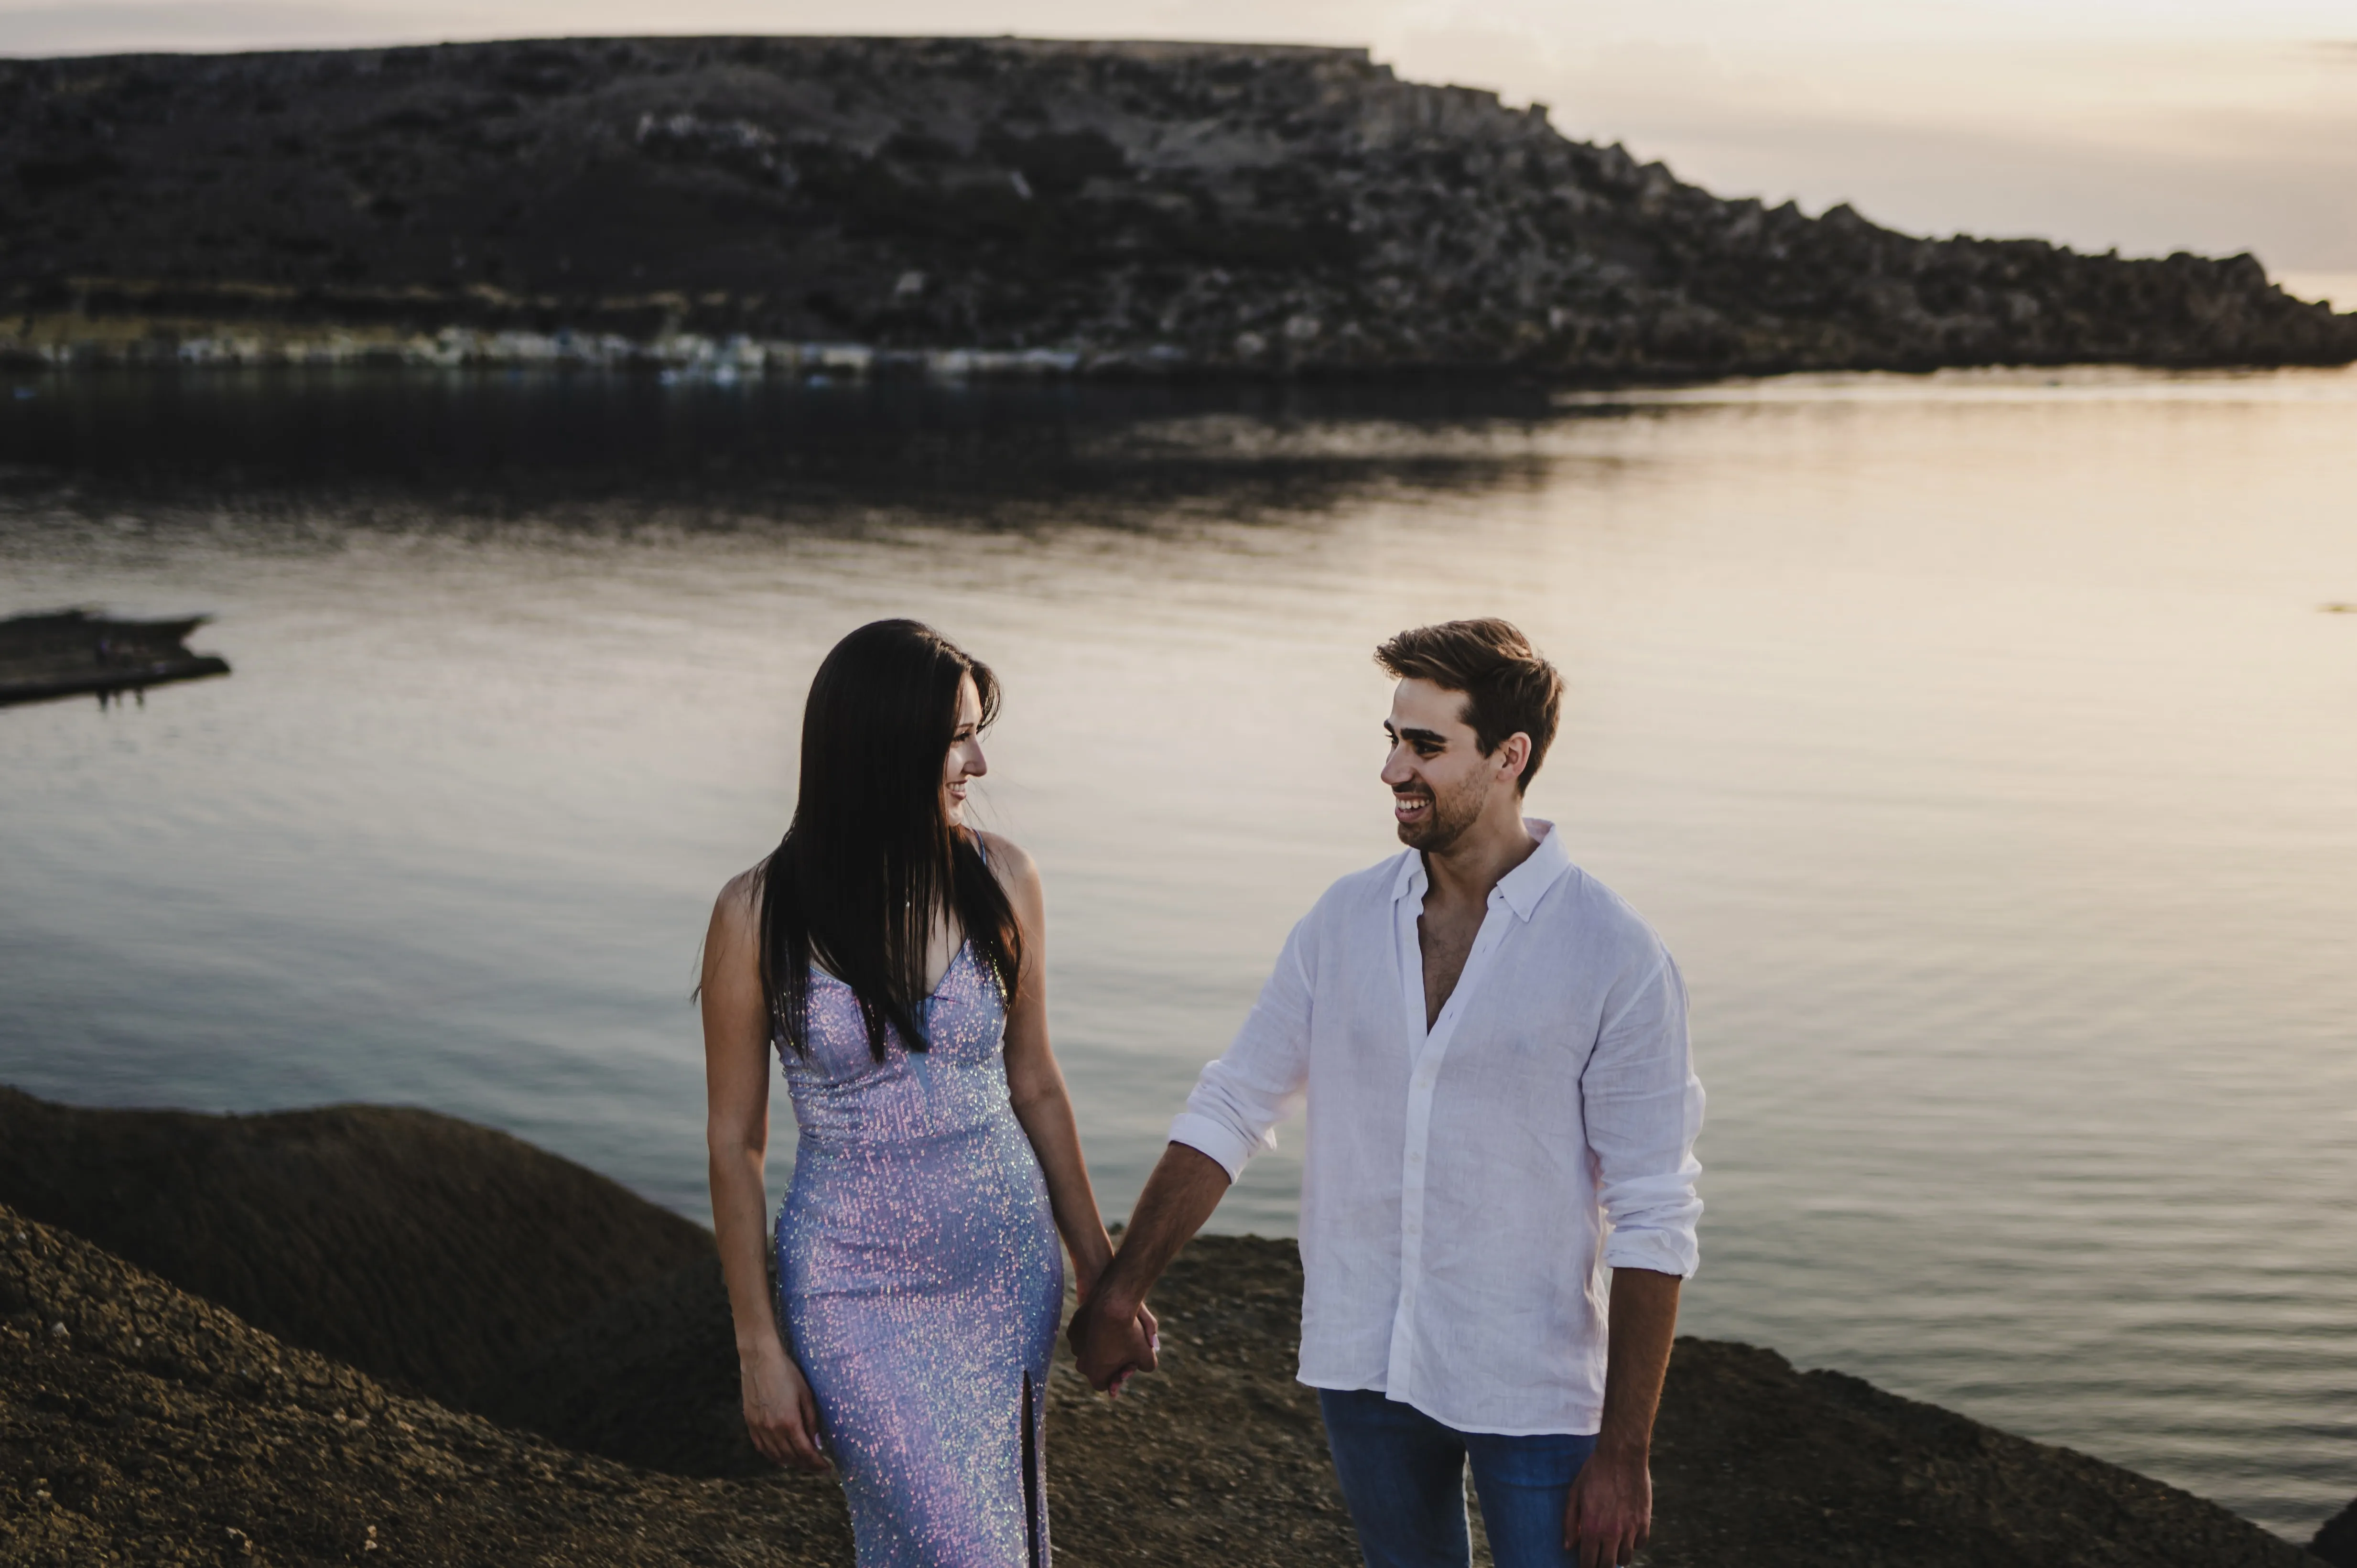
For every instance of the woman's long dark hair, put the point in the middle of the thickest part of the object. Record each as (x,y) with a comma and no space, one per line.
(871,856)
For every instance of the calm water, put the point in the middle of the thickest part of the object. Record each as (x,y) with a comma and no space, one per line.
(1979,742)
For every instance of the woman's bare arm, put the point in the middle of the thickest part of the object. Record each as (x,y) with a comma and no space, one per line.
(780,1413)
(1036,1083)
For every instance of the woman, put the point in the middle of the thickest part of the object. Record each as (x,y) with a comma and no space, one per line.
(892,956)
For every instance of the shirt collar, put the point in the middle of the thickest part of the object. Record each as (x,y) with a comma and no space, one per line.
(1521,887)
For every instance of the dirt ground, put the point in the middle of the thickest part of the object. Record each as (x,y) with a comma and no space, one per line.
(141,1422)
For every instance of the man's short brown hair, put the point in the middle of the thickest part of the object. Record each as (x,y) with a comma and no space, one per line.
(1507,686)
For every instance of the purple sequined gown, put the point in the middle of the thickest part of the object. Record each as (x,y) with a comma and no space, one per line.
(920,1279)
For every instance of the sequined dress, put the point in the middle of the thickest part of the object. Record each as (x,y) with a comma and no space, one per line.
(920,1279)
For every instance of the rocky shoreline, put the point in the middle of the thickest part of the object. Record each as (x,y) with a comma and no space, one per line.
(479,1353)
(822,207)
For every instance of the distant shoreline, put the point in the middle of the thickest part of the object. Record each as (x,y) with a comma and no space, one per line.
(975,208)
(55,346)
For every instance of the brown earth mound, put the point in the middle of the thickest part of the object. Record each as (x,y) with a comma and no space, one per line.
(139,1425)
(650,1378)
(155,1421)
(425,1250)
(1758,1464)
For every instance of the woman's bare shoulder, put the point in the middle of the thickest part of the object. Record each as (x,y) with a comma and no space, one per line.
(739,904)
(1014,864)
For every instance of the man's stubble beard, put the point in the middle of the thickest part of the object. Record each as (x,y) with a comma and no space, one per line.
(1452,815)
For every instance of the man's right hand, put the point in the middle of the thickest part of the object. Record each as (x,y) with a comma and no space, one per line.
(1113,1333)
(1110,1339)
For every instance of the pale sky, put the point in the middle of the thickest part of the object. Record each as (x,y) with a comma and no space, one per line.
(2152,125)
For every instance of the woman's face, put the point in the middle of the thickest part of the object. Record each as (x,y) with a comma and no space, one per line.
(964,762)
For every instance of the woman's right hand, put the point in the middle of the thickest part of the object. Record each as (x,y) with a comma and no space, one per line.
(779,1411)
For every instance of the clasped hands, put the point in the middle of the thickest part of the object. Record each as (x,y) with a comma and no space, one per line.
(1110,1338)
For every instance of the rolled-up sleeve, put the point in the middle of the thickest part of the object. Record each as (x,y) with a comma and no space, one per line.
(1643,1107)
(1239,1098)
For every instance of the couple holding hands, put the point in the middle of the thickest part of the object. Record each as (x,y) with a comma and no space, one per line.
(1498,1202)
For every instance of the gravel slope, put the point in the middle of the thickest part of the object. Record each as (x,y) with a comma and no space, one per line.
(142,1422)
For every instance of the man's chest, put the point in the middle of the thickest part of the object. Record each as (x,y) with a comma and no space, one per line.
(1445,940)
(1471,983)
(1492,1054)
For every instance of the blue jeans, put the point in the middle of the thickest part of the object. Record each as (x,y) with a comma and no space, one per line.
(1403,1475)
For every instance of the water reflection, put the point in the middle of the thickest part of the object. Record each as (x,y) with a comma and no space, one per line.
(484,446)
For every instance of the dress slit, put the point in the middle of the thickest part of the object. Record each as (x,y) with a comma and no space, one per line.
(1031,1475)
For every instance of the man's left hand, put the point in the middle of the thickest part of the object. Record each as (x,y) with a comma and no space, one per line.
(1610,1515)
(1110,1342)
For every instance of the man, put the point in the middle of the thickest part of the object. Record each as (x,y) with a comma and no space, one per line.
(1502,1108)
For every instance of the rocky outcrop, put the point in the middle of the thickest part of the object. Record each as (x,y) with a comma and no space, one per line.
(70,653)
(2336,1539)
(844,205)
(141,1420)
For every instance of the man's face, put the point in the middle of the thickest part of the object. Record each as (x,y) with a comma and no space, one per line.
(1438,777)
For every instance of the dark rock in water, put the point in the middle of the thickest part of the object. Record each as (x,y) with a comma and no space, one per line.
(73,653)
(425,1250)
(151,1416)
(2336,1542)
(980,204)
(142,1425)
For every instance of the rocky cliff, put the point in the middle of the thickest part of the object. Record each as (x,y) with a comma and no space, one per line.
(823,205)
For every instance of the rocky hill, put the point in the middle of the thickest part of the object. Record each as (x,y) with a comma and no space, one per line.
(832,205)
(142,1420)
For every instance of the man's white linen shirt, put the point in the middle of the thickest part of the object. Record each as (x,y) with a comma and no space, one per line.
(1467,1186)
